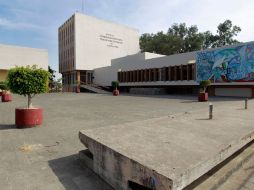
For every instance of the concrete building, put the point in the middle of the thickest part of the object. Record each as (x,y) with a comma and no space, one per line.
(86,43)
(230,68)
(11,56)
(97,52)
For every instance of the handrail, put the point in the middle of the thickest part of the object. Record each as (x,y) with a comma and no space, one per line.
(89,84)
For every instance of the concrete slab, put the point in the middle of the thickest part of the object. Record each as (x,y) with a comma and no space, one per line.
(168,152)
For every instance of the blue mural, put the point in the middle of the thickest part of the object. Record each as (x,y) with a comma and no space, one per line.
(234,64)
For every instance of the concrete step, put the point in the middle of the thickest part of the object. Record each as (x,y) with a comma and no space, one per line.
(230,174)
(242,179)
(169,153)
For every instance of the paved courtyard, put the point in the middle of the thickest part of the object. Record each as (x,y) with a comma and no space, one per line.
(46,157)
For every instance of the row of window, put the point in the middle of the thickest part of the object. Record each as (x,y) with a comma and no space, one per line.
(69,78)
(66,30)
(66,54)
(171,73)
(66,46)
(66,42)
(67,65)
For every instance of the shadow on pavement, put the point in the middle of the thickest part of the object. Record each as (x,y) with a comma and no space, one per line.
(73,175)
(7,127)
(186,98)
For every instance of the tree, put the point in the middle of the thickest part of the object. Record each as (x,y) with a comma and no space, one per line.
(52,74)
(145,42)
(226,32)
(115,84)
(51,78)
(181,38)
(204,84)
(178,39)
(28,81)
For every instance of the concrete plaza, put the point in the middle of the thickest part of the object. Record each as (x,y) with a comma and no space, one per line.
(46,157)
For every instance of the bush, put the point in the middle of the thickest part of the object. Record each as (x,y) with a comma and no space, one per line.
(3,86)
(28,81)
(115,84)
(204,84)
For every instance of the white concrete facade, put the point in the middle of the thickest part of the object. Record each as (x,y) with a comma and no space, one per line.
(87,43)
(11,56)
(97,42)
(105,75)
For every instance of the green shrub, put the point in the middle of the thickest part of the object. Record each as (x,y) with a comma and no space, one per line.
(3,86)
(115,84)
(204,84)
(28,81)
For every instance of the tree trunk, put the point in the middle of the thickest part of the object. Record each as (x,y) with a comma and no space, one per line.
(30,101)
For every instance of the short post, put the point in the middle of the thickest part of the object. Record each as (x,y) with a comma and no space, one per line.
(246,104)
(210,111)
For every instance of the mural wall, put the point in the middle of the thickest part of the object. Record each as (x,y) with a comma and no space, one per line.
(234,64)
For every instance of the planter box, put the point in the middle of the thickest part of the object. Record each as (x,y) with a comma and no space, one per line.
(203,97)
(6,97)
(116,93)
(27,118)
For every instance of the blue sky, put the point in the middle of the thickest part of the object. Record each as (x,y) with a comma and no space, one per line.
(34,23)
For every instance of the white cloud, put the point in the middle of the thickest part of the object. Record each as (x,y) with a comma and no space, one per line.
(9,24)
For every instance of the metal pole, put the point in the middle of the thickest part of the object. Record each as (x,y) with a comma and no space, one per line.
(246,103)
(210,111)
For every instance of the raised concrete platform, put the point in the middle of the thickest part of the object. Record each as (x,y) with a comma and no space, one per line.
(169,152)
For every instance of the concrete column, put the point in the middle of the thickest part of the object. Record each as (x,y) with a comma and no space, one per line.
(165,74)
(169,73)
(154,74)
(78,76)
(175,72)
(194,71)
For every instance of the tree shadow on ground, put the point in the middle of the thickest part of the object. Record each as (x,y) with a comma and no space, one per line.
(7,127)
(73,175)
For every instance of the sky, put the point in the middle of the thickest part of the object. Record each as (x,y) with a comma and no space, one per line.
(34,23)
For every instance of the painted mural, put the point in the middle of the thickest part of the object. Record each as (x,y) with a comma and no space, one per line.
(234,64)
